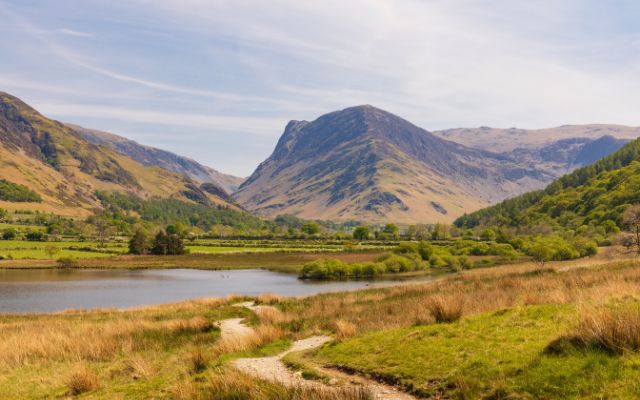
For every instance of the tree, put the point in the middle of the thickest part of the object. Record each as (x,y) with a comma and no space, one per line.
(310,228)
(9,234)
(488,235)
(631,222)
(440,232)
(139,243)
(52,250)
(541,253)
(165,244)
(361,233)
(103,229)
(34,236)
(391,231)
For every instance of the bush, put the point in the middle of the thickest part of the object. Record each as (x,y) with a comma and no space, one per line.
(9,234)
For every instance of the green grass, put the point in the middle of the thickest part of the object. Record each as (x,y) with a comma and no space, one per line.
(19,249)
(497,355)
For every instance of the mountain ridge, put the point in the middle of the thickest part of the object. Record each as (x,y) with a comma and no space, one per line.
(313,164)
(150,156)
(66,170)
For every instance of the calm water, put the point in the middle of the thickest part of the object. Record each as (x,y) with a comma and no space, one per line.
(54,290)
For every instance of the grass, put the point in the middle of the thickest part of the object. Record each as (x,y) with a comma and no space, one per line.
(505,336)
(277,261)
(139,353)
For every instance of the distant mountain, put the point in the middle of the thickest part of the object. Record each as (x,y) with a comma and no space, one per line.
(506,140)
(151,156)
(367,164)
(51,163)
(592,197)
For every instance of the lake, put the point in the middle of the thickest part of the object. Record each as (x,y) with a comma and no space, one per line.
(48,290)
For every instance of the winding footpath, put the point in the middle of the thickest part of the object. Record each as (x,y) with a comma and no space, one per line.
(274,369)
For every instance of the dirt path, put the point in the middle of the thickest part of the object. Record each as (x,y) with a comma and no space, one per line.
(274,369)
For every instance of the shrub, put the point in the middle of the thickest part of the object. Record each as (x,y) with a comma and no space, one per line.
(9,234)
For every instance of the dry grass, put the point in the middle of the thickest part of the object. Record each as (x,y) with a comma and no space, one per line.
(184,389)
(231,384)
(472,292)
(344,329)
(239,343)
(613,329)
(197,360)
(82,380)
(139,368)
(445,309)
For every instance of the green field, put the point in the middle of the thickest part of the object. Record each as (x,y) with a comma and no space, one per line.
(19,249)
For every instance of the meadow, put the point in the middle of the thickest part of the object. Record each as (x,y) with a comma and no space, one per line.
(520,331)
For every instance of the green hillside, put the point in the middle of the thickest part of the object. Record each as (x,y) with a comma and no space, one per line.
(593,196)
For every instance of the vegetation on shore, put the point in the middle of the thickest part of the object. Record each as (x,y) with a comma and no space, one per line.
(512,331)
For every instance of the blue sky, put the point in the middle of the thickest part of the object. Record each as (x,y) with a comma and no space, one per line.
(218,80)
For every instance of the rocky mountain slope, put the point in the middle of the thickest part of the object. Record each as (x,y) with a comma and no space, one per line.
(151,156)
(367,164)
(65,170)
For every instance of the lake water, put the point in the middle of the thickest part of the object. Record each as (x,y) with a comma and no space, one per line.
(49,290)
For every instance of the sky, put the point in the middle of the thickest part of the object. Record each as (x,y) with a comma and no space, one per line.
(218,80)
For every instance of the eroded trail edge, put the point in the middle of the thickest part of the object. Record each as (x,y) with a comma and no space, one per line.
(274,369)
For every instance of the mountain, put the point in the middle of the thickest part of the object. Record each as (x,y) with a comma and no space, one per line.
(51,163)
(367,164)
(506,140)
(595,195)
(151,156)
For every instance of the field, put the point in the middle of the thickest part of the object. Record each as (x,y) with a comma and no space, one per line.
(505,332)
(277,261)
(34,250)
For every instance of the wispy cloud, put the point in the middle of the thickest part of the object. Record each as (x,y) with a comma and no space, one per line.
(73,32)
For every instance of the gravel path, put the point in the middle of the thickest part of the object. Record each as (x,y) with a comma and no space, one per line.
(273,369)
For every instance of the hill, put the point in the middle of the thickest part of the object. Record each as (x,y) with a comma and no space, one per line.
(367,164)
(62,171)
(151,156)
(594,195)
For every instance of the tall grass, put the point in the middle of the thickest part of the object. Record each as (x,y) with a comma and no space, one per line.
(231,384)
(449,298)
(614,329)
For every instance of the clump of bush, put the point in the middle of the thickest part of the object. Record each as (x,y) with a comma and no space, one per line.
(389,263)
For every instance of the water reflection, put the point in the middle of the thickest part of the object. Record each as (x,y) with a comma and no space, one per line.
(49,290)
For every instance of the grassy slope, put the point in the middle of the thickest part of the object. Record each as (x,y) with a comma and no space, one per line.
(494,354)
(594,193)
(83,168)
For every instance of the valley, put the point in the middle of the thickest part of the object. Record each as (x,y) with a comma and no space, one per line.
(429,268)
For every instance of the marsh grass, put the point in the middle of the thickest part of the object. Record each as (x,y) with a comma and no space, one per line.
(445,309)
(614,329)
(469,293)
(82,380)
